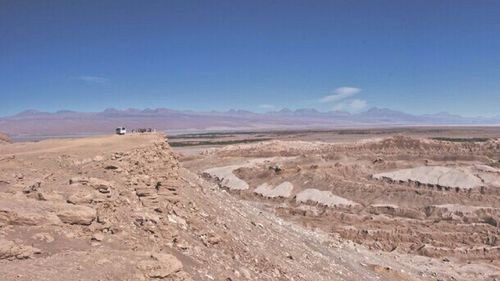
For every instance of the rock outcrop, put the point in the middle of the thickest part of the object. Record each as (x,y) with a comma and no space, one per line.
(4,138)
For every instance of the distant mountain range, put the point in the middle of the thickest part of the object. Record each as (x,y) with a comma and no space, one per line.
(33,123)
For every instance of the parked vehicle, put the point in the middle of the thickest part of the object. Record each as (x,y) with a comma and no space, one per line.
(121,131)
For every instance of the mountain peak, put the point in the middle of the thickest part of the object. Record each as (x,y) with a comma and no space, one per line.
(307,110)
(110,110)
(29,112)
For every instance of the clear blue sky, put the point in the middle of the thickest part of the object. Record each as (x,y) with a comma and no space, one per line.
(418,56)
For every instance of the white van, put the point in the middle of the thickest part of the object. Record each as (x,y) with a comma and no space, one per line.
(121,131)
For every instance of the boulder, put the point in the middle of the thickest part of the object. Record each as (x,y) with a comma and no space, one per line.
(15,211)
(160,265)
(168,265)
(11,250)
(81,197)
(75,214)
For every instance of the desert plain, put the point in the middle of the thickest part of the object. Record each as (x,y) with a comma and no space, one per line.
(406,203)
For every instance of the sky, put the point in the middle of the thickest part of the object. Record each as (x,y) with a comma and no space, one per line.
(416,56)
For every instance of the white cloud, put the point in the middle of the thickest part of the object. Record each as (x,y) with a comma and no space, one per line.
(358,104)
(92,79)
(340,94)
(267,106)
(342,99)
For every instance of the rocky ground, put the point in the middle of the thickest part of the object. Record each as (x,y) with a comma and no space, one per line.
(123,208)
(399,194)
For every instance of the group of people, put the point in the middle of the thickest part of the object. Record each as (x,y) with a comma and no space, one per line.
(143,130)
